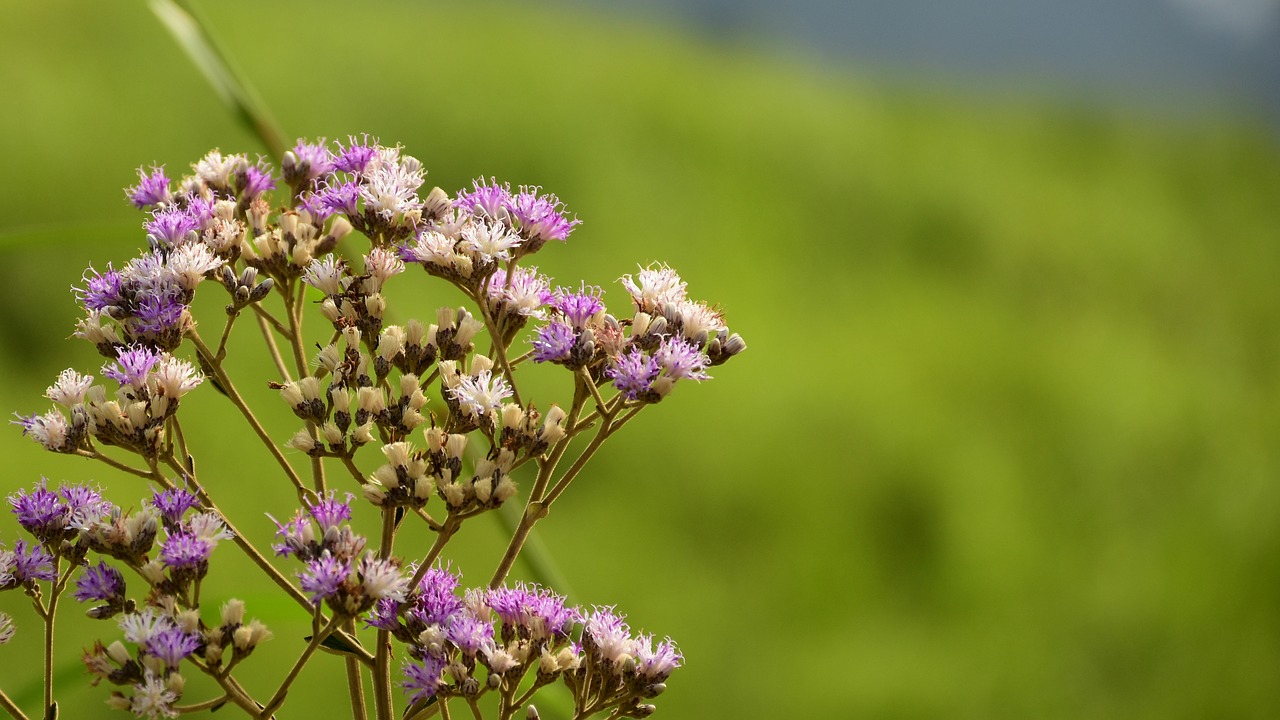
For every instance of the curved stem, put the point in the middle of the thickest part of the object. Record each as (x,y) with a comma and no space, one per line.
(278,698)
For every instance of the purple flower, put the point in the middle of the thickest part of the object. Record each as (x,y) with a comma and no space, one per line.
(469,634)
(40,512)
(541,217)
(681,360)
(355,158)
(170,225)
(609,636)
(539,612)
(296,532)
(258,180)
(384,615)
(171,644)
(132,366)
(160,311)
(184,550)
(324,576)
(100,582)
(577,307)
(554,342)
(313,160)
(486,200)
(330,513)
(338,197)
(84,505)
(633,373)
(173,504)
(435,600)
(32,562)
(655,664)
(151,189)
(101,290)
(422,678)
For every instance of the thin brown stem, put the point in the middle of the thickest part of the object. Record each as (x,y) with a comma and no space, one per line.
(12,708)
(226,334)
(271,341)
(499,346)
(355,680)
(95,454)
(451,525)
(197,707)
(303,491)
(278,698)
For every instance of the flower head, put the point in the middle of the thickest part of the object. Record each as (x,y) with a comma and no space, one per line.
(69,389)
(633,373)
(479,394)
(184,549)
(151,189)
(172,226)
(487,200)
(101,290)
(554,342)
(324,576)
(422,678)
(540,217)
(152,698)
(132,366)
(655,663)
(681,360)
(356,156)
(32,562)
(99,582)
(50,430)
(171,644)
(579,308)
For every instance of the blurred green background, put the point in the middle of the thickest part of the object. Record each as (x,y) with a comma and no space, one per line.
(1003,444)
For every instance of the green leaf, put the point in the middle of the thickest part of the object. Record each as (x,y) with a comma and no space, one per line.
(193,36)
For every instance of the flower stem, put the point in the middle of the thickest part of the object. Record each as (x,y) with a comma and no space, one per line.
(11,708)
(278,698)
(382,658)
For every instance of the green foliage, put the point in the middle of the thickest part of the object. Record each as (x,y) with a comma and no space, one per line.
(1003,443)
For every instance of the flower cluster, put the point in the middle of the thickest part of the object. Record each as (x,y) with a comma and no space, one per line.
(338,570)
(512,631)
(448,426)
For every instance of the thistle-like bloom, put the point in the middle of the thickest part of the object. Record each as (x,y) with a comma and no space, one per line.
(391,184)
(381,579)
(487,200)
(69,389)
(173,504)
(470,634)
(577,307)
(101,290)
(172,645)
(435,600)
(257,181)
(479,394)
(159,313)
(656,663)
(540,217)
(174,378)
(152,698)
(681,360)
(50,430)
(308,161)
(7,628)
(609,637)
(324,576)
(172,226)
(525,295)
(32,562)
(489,240)
(184,550)
(422,678)
(554,342)
(338,196)
(356,156)
(132,366)
(138,628)
(654,287)
(100,582)
(151,189)
(633,373)
(207,526)
(40,512)
(330,513)
(535,611)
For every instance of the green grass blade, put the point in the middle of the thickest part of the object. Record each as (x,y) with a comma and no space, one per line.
(187,27)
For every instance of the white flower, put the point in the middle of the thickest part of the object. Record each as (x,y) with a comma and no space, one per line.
(6,628)
(655,286)
(382,579)
(382,264)
(175,378)
(208,526)
(69,389)
(189,264)
(478,395)
(215,169)
(153,699)
(139,627)
(325,275)
(489,241)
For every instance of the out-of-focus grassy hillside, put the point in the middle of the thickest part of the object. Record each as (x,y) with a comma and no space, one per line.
(1003,445)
